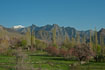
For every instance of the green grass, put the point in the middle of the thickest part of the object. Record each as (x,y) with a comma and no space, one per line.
(6,62)
(42,60)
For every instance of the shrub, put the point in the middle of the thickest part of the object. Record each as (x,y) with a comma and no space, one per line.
(53,51)
(82,52)
(63,52)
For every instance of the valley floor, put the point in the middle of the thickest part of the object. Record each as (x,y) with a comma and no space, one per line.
(40,60)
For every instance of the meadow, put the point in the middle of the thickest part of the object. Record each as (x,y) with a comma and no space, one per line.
(43,61)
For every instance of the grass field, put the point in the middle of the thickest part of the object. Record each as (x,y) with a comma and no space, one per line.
(45,62)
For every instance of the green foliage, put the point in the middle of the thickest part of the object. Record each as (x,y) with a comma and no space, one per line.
(40,45)
(55,45)
(50,63)
(28,37)
(99,49)
(22,43)
(77,38)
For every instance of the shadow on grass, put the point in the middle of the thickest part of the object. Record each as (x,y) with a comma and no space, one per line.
(57,59)
(45,55)
(49,57)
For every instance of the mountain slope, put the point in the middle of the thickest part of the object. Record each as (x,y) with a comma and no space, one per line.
(45,32)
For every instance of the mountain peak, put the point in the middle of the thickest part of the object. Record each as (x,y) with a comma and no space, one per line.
(55,25)
(102,29)
(18,26)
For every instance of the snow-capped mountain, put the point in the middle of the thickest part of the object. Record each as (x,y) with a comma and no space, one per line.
(18,27)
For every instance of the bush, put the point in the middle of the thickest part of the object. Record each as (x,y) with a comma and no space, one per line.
(63,52)
(82,52)
(53,51)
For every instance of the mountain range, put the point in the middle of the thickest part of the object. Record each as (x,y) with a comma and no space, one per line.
(45,32)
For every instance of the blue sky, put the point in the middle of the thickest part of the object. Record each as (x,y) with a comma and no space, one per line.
(81,14)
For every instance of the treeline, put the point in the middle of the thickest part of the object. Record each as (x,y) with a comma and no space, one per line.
(75,48)
(79,48)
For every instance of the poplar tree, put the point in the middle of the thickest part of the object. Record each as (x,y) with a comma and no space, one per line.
(96,42)
(72,40)
(32,38)
(54,36)
(90,42)
(78,37)
(28,37)
(97,48)
(102,46)
(67,40)
(84,39)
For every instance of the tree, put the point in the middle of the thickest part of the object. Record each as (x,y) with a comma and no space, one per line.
(22,43)
(77,38)
(40,45)
(53,51)
(82,52)
(14,42)
(22,60)
(63,52)
(73,40)
(96,47)
(67,40)
(54,36)
(4,45)
(102,56)
(90,42)
(84,39)
(96,41)
(32,38)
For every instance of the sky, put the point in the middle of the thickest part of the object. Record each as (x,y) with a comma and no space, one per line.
(80,14)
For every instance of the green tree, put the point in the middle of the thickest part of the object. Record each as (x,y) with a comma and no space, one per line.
(84,39)
(102,47)
(77,37)
(95,41)
(23,43)
(90,42)
(40,45)
(54,37)
(67,40)
(28,37)
(32,39)
(73,41)
(97,47)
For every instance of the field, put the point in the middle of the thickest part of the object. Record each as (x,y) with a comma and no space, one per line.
(40,60)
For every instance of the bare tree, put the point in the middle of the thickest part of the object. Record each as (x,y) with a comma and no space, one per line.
(28,37)
(22,62)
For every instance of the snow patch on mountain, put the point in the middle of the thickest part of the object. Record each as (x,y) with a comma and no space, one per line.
(18,27)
